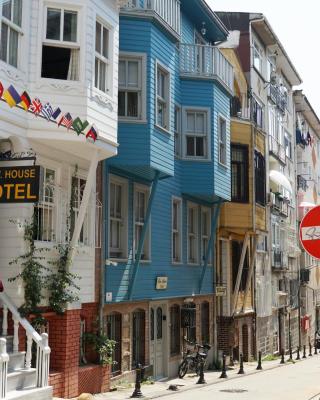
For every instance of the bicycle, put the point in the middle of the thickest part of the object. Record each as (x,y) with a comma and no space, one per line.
(192,360)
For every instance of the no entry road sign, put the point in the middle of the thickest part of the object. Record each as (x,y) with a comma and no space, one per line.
(310,232)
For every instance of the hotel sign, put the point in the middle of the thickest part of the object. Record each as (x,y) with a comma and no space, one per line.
(19,184)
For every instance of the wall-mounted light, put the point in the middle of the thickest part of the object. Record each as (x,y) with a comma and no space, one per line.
(203,29)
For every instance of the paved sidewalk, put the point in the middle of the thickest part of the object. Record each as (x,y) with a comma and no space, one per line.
(189,382)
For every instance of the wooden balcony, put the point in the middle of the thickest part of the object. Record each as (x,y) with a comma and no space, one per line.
(206,62)
(166,11)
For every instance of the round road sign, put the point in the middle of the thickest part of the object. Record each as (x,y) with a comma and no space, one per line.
(310,232)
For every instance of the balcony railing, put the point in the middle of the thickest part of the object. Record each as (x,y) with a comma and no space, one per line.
(302,183)
(167,10)
(52,212)
(278,97)
(276,258)
(203,61)
(279,205)
(240,108)
(277,149)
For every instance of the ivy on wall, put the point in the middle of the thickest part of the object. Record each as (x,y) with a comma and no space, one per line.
(36,277)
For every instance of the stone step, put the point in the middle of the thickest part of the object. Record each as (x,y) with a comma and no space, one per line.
(31,394)
(21,379)
(16,361)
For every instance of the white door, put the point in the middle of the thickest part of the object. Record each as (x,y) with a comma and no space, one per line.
(157,338)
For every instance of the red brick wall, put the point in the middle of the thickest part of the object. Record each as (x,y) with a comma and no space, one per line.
(64,336)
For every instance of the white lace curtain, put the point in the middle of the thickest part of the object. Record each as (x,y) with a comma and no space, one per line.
(73,72)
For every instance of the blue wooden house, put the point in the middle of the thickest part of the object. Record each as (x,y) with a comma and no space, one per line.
(164,189)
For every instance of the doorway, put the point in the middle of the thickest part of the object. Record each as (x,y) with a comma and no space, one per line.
(158,335)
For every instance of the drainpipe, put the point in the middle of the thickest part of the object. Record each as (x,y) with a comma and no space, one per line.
(104,236)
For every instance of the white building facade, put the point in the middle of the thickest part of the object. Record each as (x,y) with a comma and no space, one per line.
(65,54)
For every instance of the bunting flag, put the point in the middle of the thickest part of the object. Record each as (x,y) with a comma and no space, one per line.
(47,111)
(36,106)
(25,101)
(66,121)
(92,134)
(11,96)
(56,113)
(77,125)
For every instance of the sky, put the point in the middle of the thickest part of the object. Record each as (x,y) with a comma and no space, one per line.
(297,25)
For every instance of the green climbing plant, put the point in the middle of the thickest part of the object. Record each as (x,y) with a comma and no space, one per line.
(32,269)
(61,284)
(36,276)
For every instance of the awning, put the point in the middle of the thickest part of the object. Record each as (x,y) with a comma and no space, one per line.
(278,178)
(306,204)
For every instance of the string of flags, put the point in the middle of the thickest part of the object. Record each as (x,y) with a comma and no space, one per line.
(13,98)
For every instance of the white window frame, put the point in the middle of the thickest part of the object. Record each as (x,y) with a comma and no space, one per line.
(194,235)
(177,130)
(257,52)
(57,209)
(184,134)
(178,230)
(163,100)
(12,26)
(222,142)
(147,242)
(101,58)
(288,137)
(88,225)
(113,179)
(61,43)
(207,236)
(141,58)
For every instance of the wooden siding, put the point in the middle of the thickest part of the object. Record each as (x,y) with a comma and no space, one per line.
(142,144)
(183,279)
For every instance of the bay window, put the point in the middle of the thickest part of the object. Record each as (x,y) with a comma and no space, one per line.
(60,47)
(162,98)
(11,32)
(222,132)
(196,134)
(101,76)
(131,87)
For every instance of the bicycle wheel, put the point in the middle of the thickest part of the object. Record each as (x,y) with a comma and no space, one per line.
(183,369)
